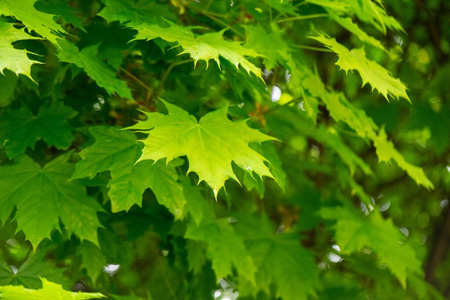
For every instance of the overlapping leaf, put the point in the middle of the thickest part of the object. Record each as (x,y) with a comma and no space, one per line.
(353,233)
(45,195)
(225,248)
(205,47)
(20,129)
(49,291)
(97,69)
(117,151)
(211,144)
(371,72)
(34,19)
(279,260)
(11,58)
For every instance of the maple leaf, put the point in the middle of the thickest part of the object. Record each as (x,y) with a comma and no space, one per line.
(225,248)
(353,233)
(34,19)
(30,272)
(92,259)
(98,70)
(8,83)
(11,58)
(49,291)
(117,151)
(371,72)
(211,144)
(348,24)
(268,44)
(342,110)
(278,259)
(45,195)
(20,128)
(202,47)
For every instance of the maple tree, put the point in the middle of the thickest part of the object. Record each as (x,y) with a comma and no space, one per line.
(155,149)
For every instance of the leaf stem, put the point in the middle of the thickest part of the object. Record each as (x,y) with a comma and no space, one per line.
(208,14)
(314,16)
(136,79)
(168,70)
(311,48)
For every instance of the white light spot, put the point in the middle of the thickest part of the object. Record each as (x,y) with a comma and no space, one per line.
(287,76)
(232,220)
(14,269)
(97,106)
(404,230)
(301,105)
(443,204)
(385,206)
(217,294)
(111,269)
(336,247)
(448,169)
(267,73)
(241,105)
(276,93)
(398,40)
(101,100)
(334,258)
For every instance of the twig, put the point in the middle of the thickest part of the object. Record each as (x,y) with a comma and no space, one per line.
(311,48)
(314,16)
(167,72)
(208,14)
(136,79)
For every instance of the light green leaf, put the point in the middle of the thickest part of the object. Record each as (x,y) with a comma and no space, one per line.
(386,152)
(11,58)
(49,291)
(98,70)
(211,144)
(25,11)
(268,44)
(20,128)
(203,47)
(353,233)
(117,151)
(45,195)
(348,24)
(371,72)
(225,248)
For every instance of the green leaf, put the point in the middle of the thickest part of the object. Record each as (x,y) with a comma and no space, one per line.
(45,195)
(11,58)
(50,291)
(268,44)
(117,151)
(92,259)
(225,248)
(203,47)
(60,8)
(279,259)
(30,272)
(8,83)
(353,233)
(371,72)
(386,152)
(25,11)
(20,129)
(348,24)
(98,70)
(211,144)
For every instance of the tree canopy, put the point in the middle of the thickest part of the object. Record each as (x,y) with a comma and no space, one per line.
(239,149)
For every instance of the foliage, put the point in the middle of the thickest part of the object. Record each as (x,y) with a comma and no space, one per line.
(122,121)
